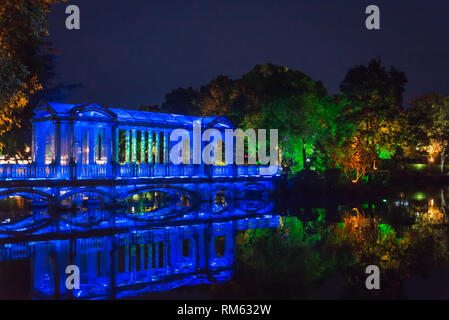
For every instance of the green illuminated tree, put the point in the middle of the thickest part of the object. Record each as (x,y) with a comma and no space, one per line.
(269,97)
(309,128)
(291,102)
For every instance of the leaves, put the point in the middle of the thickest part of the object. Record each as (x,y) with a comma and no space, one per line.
(430,116)
(23,26)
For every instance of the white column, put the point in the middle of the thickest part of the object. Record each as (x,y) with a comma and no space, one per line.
(156,160)
(127,148)
(165,147)
(142,147)
(150,147)
(91,145)
(134,146)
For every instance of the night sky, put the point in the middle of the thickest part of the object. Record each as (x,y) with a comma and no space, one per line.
(131,52)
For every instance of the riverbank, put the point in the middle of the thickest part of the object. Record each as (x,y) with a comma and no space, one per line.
(308,188)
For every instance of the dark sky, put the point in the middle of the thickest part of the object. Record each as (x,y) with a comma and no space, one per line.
(131,52)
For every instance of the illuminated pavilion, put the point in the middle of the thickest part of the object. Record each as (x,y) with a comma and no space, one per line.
(90,141)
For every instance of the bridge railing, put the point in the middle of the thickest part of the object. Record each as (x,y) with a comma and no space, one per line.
(26,171)
(94,171)
(126,171)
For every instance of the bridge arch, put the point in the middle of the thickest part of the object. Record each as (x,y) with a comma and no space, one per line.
(26,193)
(86,190)
(162,188)
(255,186)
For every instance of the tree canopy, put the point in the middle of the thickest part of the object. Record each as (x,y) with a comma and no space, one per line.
(24,67)
(429,115)
(376,114)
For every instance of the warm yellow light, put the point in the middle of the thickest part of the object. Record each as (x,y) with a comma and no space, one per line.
(431,159)
(27,149)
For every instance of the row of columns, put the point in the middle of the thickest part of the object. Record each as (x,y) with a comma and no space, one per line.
(61,142)
(156,153)
(92,145)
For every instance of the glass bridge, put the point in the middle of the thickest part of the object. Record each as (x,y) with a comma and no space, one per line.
(90,141)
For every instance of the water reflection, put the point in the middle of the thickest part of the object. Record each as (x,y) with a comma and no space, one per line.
(316,255)
(157,242)
(139,261)
(164,241)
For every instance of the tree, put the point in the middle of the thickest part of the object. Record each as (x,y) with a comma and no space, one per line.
(430,115)
(375,110)
(275,97)
(267,83)
(182,101)
(218,97)
(23,26)
(269,97)
(308,126)
(355,159)
(150,108)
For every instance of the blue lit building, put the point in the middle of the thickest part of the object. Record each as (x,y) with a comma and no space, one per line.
(90,141)
(92,154)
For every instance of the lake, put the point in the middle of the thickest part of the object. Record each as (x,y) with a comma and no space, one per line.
(161,245)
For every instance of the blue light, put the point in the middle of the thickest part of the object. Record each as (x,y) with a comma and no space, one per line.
(91,127)
(181,270)
(163,221)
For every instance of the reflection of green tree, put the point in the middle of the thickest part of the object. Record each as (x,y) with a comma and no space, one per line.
(422,247)
(283,260)
(294,259)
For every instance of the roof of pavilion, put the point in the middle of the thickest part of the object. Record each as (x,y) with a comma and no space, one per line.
(124,116)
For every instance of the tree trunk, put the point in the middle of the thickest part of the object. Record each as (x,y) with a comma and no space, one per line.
(443,202)
(443,157)
(304,156)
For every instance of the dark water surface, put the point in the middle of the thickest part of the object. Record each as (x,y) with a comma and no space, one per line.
(161,246)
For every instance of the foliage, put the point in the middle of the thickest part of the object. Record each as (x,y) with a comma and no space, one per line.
(294,259)
(269,97)
(23,70)
(283,257)
(430,116)
(376,114)
(355,131)
(181,101)
(355,159)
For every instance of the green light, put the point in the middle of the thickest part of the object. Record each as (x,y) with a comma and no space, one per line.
(150,147)
(142,147)
(157,148)
(418,166)
(386,231)
(127,147)
(134,146)
(419,196)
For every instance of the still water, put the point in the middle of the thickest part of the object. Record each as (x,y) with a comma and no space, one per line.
(165,246)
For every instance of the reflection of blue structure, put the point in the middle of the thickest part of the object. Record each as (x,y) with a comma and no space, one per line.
(133,256)
(90,141)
